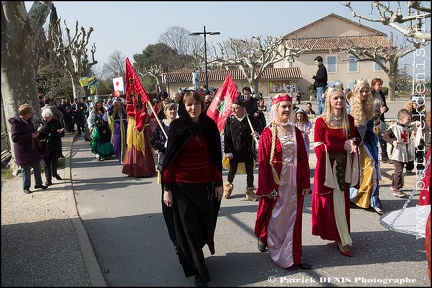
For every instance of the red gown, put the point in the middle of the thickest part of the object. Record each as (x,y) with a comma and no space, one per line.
(279,220)
(139,158)
(324,222)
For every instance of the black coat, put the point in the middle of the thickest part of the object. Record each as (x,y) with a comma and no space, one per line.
(179,135)
(238,139)
(158,141)
(50,130)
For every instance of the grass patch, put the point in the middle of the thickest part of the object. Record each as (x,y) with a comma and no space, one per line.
(61,163)
(7,173)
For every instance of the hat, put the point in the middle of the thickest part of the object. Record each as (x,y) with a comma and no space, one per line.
(163,95)
(240,101)
(281,97)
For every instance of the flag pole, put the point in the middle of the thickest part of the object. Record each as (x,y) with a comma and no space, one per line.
(157,119)
(250,125)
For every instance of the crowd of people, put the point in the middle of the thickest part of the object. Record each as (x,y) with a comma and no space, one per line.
(350,142)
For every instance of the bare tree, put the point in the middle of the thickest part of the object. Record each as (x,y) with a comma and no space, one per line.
(73,53)
(115,66)
(178,39)
(411,25)
(154,71)
(384,55)
(253,56)
(19,30)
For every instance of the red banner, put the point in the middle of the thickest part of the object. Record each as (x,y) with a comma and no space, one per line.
(220,107)
(136,97)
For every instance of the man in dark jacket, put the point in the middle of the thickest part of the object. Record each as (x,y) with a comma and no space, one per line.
(320,83)
(239,134)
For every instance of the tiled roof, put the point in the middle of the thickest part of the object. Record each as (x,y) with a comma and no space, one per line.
(332,43)
(373,31)
(220,75)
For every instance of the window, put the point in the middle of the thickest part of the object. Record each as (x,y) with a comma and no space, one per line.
(331,64)
(352,64)
(280,86)
(377,67)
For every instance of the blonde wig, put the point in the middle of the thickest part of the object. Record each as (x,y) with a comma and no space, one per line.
(328,109)
(362,111)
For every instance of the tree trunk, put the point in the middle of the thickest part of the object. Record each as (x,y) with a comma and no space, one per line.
(18,67)
(78,91)
(392,80)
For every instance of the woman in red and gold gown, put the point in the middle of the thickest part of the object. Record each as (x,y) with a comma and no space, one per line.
(336,168)
(139,159)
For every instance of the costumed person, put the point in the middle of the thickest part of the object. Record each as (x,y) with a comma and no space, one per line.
(192,184)
(403,151)
(301,121)
(100,143)
(117,121)
(283,182)
(139,159)
(366,193)
(239,134)
(336,168)
(159,140)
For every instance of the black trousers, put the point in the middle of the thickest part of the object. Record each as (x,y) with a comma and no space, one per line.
(249,171)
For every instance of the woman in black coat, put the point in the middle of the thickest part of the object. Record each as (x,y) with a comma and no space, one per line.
(50,135)
(192,184)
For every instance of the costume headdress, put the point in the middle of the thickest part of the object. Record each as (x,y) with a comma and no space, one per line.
(281,97)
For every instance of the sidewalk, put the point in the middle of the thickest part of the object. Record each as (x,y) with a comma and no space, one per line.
(43,241)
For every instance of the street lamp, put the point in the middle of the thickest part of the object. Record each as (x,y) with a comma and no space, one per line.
(205,33)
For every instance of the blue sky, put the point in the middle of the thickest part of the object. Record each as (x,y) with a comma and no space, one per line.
(130,27)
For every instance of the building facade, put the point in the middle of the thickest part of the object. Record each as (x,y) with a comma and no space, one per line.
(325,37)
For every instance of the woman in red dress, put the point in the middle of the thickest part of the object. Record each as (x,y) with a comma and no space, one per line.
(283,182)
(336,168)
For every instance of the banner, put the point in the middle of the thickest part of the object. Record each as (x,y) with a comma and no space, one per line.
(136,97)
(90,82)
(118,84)
(220,107)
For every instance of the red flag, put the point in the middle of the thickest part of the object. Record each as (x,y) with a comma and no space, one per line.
(136,97)
(220,107)
(155,109)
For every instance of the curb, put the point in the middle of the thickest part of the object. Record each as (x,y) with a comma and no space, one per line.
(89,257)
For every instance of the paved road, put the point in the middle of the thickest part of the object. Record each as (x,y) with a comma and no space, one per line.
(122,216)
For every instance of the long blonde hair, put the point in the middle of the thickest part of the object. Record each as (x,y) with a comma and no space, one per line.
(328,109)
(362,111)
